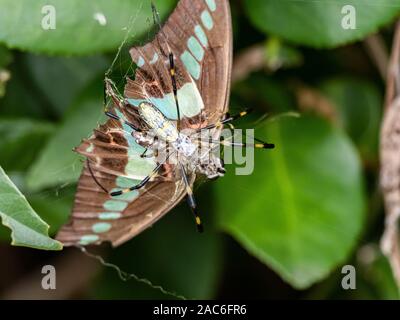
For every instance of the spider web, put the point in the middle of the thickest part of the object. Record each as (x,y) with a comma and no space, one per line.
(122,65)
(120,68)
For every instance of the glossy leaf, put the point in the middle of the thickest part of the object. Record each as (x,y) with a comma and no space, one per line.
(60,78)
(21,141)
(28,229)
(74,26)
(57,163)
(320,23)
(301,211)
(279,55)
(54,206)
(359,106)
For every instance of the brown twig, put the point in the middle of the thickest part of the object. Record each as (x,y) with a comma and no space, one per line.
(309,99)
(378,52)
(393,81)
(390,161)
(250,60)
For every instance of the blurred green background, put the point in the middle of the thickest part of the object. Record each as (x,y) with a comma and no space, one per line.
(311,206)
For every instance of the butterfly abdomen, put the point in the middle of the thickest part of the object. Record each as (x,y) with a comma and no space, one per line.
(163,128)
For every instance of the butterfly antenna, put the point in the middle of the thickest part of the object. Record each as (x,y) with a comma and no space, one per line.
(94,177)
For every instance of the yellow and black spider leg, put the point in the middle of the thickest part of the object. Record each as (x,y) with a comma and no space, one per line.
(191,200)
(155,150)
(171,59)
(109,90)
(227,120)
(175,88)
(142,183)
(259,145)
(94,177)
(115,117)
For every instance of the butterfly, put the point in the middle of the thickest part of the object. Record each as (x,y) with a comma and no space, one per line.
(182,82)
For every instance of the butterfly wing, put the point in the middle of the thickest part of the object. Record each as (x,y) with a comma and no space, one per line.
(200,37)
(114,163)
(97,217)
(199,34)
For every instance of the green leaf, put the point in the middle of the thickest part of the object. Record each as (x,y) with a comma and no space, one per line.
(5,59)
(21,99)
(301,210)
(376,275)
(60,78)
(21,141)
(55,207)
(359,104)
(28,229)
(5,56)
(81,27)
(264,93)
(58,164)
(319,23)
(279,55)
(170,254)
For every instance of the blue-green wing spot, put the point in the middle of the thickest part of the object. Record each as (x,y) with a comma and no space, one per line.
(201,35)
(140,62)
(90,148)
(119,203)
(123,182)
(88,239)
(133,145)
(207,19)
(155,58)
(191,65)
(193,57)
(115,205)
(136,166)
(110,215)
(101,227)
(190,102)
(195,48)
(211,4)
